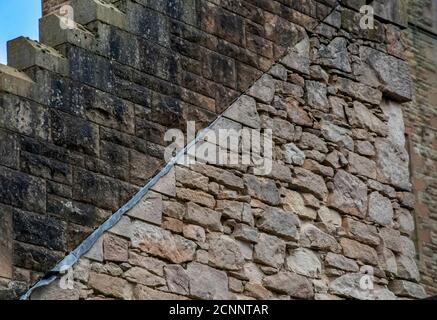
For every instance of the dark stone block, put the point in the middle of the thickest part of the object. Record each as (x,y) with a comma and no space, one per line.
(45,168)
(222,23)
(220,69)
(90,69)
(74,133)
(59,189)
(34,257)
(21,190)
(24,116)
(143,167)
(8,150)
(148,24)
(40,230)
(76,234)
(5,242)
(96,189)
(76,212)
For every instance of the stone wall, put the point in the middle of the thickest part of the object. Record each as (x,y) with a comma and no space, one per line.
(421,122)
(84,112)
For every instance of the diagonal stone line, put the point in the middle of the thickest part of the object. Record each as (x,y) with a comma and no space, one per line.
(87,244)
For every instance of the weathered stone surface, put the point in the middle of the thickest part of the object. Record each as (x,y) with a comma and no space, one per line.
(167,184)
(257,291)
(361,116)
(207,283)
(246,233)
(145,293)
(149,209)
(293,201)
(293,155)
(291,284)
(177,279)
(152,264)
(317,95)
(193,232)
(244,111)
(203,216)
(298,58)
(110,286)
(405,220)
(191,178)
(264,89)
(392,73)
(144,277)
(278,222)
(174,209)
(39,230)
(159,242)
(336,159)
(221,176)
(407,289)
(341,262)
(387,261)
(269,250)
(380,209)
(115,248)
(337,134)
(356,250)
(298,115)
(54,292)
(329,217)
(225,253)
(6,242)
(407,268)
(349,195)
(395,123)
(307,181)
(195,196)
(348,286)
(233,209)
(361,231)
(359,91)
(317,168)
(21,190)
(365,148)
(313,237)
(311,141)
(394,241)
(283,129)
(335,55)
(361,166)
(392,164)
(262,189)
(304,262)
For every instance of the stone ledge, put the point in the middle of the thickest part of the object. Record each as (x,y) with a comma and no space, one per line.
(24,53)
(14,81)
(51,33)
(86,11)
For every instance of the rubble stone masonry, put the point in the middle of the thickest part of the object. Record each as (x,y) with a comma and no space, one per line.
(82,123)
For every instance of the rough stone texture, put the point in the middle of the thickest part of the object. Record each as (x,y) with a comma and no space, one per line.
(420,122)
(380,209)
(304,262)
(82,127)
(349,195)
(290,284)
(280,223)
